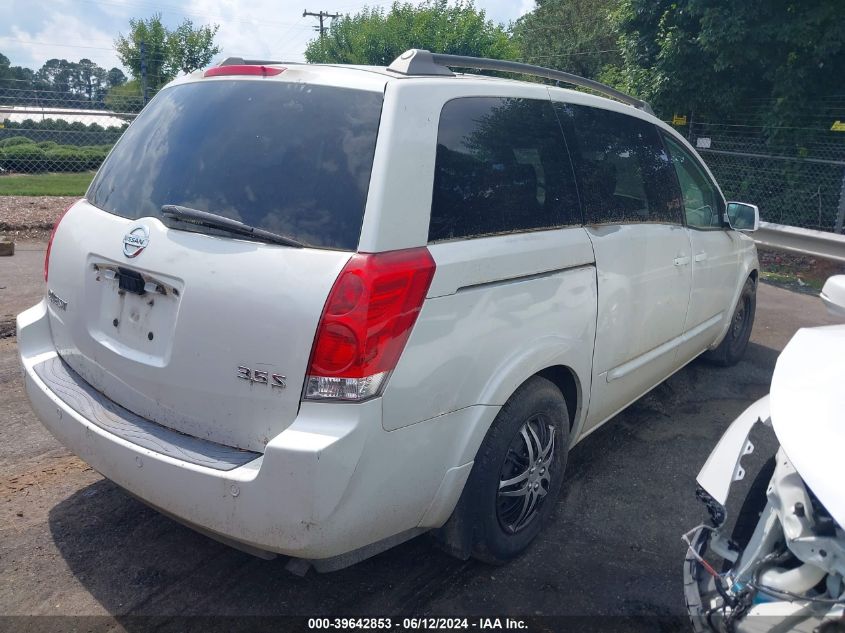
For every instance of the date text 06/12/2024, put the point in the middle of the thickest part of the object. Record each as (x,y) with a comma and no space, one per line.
(415,624)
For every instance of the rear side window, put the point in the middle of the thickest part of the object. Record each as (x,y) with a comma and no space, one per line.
(291,158)
(501,167)
(624,174)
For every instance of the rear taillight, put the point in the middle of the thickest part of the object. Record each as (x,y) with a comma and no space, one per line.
(366,322)
(50,243)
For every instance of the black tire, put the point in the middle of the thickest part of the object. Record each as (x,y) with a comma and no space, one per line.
(499,531)
(732,348)
(752,507)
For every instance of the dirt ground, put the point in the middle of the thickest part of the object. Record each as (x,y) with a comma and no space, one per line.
(30,217)
(72,543)
(797,272)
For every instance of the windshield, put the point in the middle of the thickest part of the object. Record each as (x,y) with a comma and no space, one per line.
(291,158)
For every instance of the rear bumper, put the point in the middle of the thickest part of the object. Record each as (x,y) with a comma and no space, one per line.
(331,483)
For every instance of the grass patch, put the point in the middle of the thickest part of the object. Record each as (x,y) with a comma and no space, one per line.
(59,184)
(792,279)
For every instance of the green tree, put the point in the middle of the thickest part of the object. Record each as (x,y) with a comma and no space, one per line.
(57,75)
(577,36)
(115,77)
(126,97)
(375,36)
(89,79)
(166,52)
(71,80)
(190,48)
(16,77)
(153,34)
(64,79)
(710,57)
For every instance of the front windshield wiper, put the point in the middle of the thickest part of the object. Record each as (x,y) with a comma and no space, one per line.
(214,221)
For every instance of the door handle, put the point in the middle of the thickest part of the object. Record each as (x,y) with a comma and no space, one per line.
(701,257)
(682,260)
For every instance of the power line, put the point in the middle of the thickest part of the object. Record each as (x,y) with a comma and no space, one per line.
(182,12)
(13,39)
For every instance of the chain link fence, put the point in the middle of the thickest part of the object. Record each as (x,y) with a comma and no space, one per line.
(796,174)
(56,131)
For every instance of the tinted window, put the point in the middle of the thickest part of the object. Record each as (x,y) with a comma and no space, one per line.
(288,157)
(702,202)
(501,167)
(623,171)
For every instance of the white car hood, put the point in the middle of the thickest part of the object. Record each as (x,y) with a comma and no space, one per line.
(808,411)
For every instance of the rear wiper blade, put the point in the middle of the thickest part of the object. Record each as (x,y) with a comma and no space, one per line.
(214,221)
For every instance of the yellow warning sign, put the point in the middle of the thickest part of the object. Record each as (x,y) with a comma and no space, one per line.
(838,126)
(681,120)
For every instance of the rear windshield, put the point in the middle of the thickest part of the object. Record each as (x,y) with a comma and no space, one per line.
(291,158)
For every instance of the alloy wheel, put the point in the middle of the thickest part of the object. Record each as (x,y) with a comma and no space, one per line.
(525,476)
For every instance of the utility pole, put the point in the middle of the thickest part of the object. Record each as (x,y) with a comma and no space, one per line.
(321,15)
(144,72)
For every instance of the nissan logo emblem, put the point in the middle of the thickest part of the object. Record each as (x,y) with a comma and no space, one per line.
(136,241)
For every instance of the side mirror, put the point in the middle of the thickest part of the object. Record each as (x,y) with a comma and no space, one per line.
(743,217)
(833,295)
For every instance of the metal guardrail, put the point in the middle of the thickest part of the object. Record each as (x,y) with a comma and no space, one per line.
(803,241)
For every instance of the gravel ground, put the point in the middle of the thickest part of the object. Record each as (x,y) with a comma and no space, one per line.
(26,217)
(21,284)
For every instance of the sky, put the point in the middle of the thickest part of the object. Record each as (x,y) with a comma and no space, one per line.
(33,31)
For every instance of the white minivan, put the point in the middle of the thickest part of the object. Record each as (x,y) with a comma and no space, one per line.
(318,310)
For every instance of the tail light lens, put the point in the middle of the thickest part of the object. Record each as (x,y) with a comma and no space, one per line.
(50,243)
(366,322)
(243,69)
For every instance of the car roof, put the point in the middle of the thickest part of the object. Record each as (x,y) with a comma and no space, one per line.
(376,78)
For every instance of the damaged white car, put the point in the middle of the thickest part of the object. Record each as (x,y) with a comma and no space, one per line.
(784,562)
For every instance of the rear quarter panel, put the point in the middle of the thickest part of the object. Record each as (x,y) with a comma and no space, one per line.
(500,309)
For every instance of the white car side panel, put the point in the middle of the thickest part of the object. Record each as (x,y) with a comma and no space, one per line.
(744,245)
(465,263)
(642,303)
(715,275)
(517,304)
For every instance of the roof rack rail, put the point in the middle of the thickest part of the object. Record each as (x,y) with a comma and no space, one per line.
(240,61)
(422,62)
